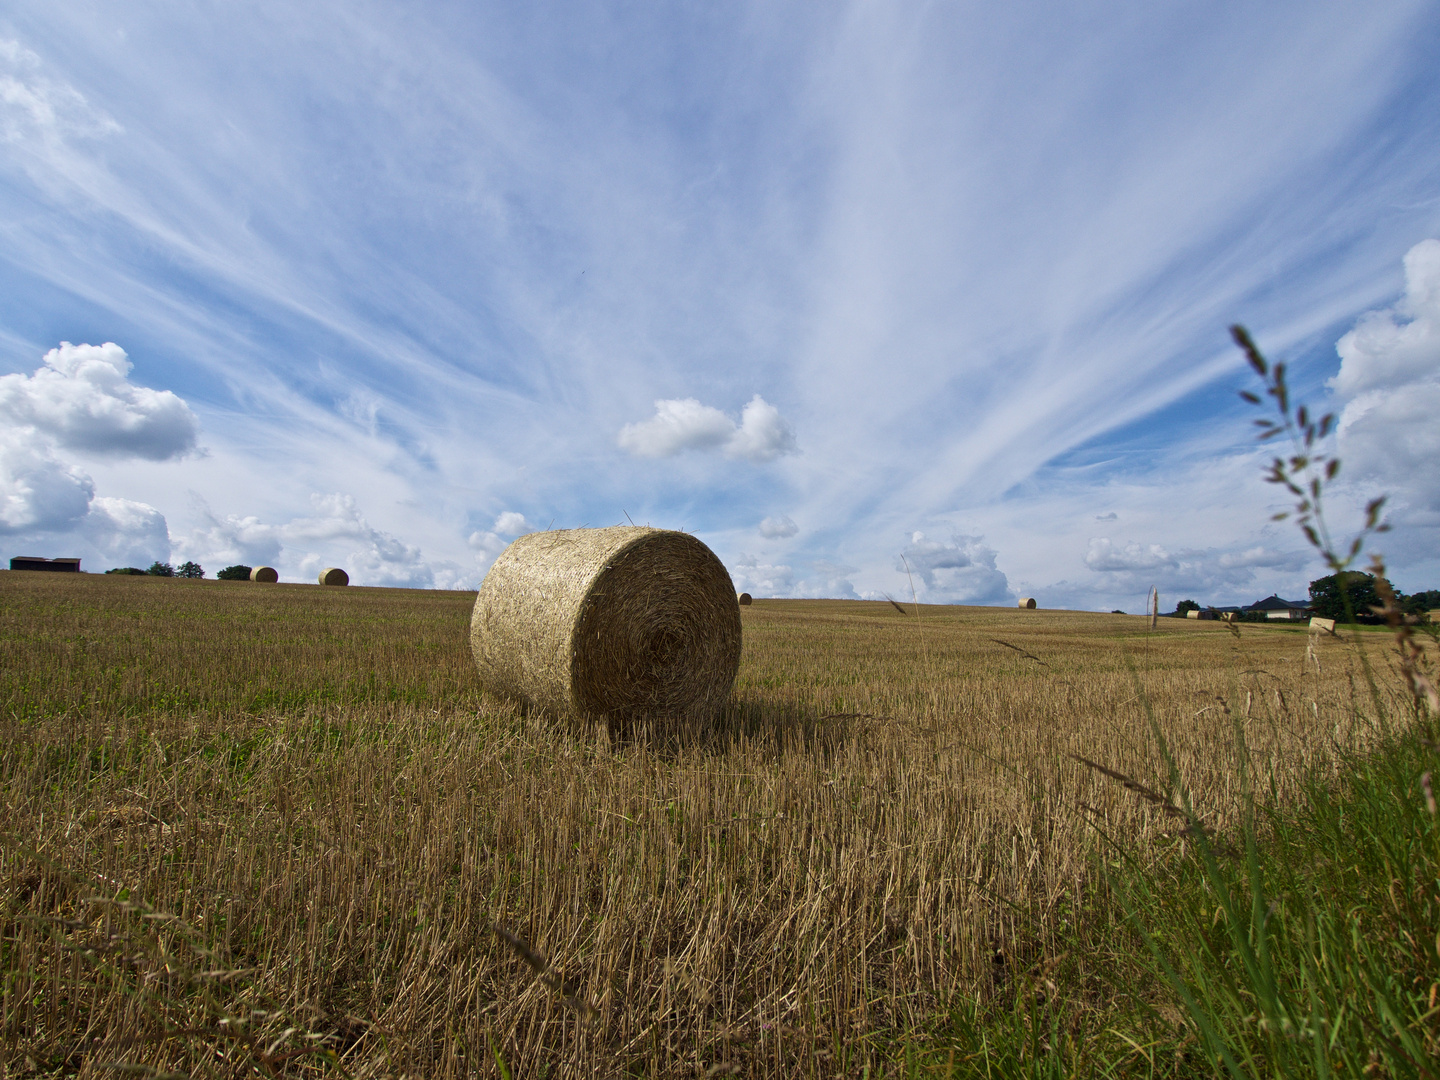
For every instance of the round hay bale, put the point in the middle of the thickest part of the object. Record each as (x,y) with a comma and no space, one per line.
(266,574)
(625,625)
(745,599)
(333,575)
(1028,603)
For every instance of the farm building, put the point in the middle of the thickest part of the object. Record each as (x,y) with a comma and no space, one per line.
(36,562)
(1275,608)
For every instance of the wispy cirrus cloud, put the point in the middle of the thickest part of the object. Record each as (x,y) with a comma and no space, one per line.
(450,258)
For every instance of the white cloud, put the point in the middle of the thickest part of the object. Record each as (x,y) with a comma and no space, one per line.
(685,424)
(379,559)
(779,527)
(489,544)
(125,532)
(764,435)
(1208,575)
(36,109)
(510,523)
(1104,555)
(1389,380)
(1400,344)
(960,572)
(228,540)
(38,491)
(82,400)
(336,533)
(1263,557)
(762,579)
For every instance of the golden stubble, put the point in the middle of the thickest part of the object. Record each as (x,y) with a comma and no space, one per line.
(256,816)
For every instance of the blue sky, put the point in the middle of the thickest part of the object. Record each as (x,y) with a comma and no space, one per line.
(843,289)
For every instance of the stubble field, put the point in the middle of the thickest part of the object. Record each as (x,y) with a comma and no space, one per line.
(266,830)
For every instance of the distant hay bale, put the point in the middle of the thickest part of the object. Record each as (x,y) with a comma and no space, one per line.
(1193,613)
(1317,623)
(265,574)
(1028,603)
(625,625)
(333,575)
(745,599)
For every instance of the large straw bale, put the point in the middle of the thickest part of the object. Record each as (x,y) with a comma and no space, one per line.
(625,625)
(333,575)
(1028,603)
(266,574)
(745,599)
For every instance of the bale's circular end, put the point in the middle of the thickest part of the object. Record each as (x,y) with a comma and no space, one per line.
(333,575)
(1028,603)
(626,625)
(266,574)
(745,599)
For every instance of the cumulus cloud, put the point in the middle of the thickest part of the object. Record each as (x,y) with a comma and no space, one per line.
(761,578)
(685,424)
(81,399)
(1209,575)
(960,572)
(38,492)
(374,557)
(1106,556)
(488,544)
(336,533)
(779,527)
(509,523)
(232,539)
(1389,381)
(125,532)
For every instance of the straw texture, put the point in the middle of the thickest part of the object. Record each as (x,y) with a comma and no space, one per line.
(625,625)
(745,599)
(333,575)
(264,573)
(1028,603)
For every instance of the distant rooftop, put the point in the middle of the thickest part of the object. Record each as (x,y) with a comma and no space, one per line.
(1274,603)
(39,562)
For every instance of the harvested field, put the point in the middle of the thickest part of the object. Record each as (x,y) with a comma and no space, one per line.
(230,813)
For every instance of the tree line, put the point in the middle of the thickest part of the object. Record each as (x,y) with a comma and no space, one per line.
(184,570)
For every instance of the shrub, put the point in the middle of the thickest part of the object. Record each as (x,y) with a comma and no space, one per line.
(190,570)
(161,569)
(234,573)
(127,570)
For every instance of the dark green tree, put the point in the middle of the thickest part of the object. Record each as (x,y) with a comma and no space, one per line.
(161,569)
(1421,602)
(127,570)
(1186,605)
(234,573)
(1328,601)
(190,570)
